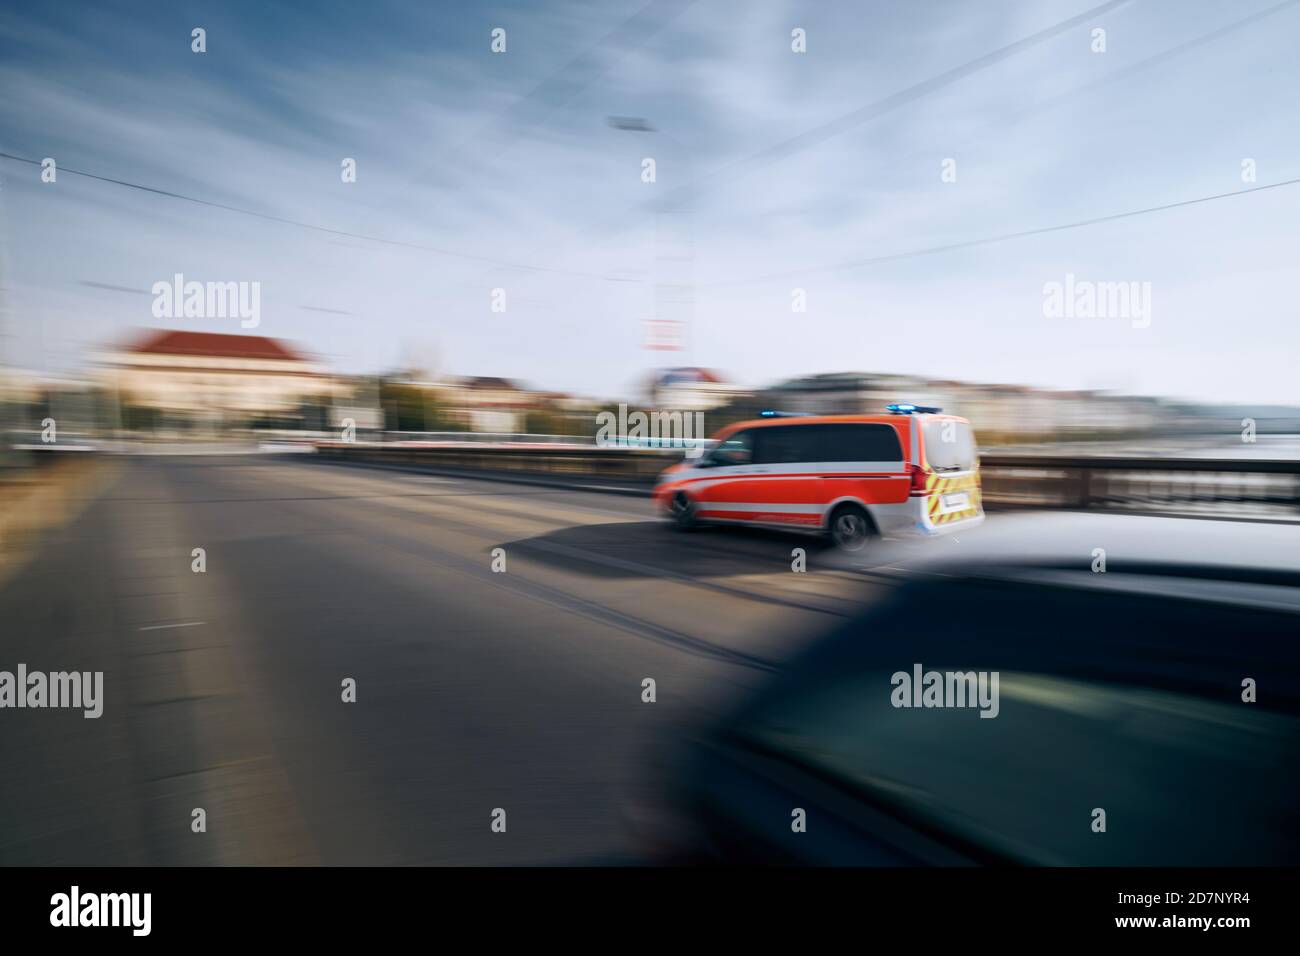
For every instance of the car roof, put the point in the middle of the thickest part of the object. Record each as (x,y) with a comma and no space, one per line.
(1236,562)
(883,418)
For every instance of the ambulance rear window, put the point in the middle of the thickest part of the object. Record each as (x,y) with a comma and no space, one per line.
(949,445)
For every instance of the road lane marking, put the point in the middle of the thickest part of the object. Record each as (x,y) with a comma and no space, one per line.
(163,627)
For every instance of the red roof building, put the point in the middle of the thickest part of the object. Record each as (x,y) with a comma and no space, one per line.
(215,345)
(216,378)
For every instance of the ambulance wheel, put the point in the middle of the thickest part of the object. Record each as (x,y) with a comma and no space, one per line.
(682,513)
(850,527)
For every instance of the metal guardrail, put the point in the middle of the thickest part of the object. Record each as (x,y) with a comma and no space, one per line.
(1208,487)
(516,438)
(491,438)
(634,465)
(1236,487)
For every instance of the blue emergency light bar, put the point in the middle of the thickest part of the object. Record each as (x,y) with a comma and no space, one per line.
(907,408)
(769,413)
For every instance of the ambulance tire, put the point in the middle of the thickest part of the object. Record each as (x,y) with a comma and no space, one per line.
(682,513)
(850,527)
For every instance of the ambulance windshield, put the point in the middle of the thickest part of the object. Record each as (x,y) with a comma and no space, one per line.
(949,445)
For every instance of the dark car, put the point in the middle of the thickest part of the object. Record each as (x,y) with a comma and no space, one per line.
(1146,716)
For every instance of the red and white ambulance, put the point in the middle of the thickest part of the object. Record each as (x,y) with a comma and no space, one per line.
(852,477)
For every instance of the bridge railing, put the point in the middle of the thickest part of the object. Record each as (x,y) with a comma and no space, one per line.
(1230,487)
(1265,488)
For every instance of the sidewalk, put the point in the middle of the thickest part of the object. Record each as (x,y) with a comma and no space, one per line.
(35,499)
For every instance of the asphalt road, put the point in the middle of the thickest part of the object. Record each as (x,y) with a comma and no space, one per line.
(475,690)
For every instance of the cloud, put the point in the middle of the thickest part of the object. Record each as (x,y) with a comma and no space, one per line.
(509,158)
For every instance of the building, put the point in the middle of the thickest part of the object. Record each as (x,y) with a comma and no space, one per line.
(1000,413)
(19,386)
(214,381)
(690,389)
(849,393)
(486,403)
(1009,413)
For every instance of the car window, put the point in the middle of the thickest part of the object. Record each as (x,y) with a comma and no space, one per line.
(737,449)
(779,444)
(1125,704)
(860,443)
(949,445)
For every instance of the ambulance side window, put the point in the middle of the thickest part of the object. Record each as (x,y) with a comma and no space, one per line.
(737,449)
(861,443)
(787,444)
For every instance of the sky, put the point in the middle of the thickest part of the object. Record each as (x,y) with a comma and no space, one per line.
(775,171)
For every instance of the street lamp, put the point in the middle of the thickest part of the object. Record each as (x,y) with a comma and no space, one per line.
(674,268)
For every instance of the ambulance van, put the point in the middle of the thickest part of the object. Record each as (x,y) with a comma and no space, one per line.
(912,470)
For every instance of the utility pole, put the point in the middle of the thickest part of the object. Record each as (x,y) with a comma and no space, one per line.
(674,238)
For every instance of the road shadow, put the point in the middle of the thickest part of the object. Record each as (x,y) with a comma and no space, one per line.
(632,549)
